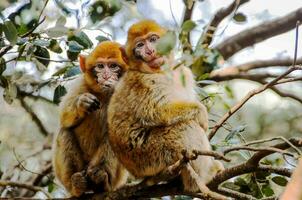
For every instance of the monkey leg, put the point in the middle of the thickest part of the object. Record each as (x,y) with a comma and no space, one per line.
(205,166)
(105,170)
(69,164)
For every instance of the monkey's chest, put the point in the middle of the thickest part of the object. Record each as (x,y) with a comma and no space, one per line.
(92,133)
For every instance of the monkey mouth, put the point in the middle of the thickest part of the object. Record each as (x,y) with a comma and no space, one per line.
(156,62)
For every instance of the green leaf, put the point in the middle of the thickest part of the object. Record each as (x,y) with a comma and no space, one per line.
(43,43)
(55,46)
(61,71)
(231,185)
(101,9)
(229,91)
(2,65)
(1,29)
(280,180)
(183,79)
(101,38)
(57,31)
(10,32)
(81,38)
(267,190)
(240,17)
(72,55)
(75,46)
(166,43)
(240,182)
(43,55)
(60,91)
(188,26)
(50,187)
(72,72)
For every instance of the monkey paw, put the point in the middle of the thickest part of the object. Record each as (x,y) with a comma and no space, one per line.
(79,183)
(98,175)
(88,103)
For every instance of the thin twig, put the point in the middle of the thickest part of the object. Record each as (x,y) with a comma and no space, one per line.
(256,91)
(23,185)
(228,150)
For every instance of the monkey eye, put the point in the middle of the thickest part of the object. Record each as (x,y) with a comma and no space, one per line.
(114,66)
(99,65)
(139,44)
(153,38)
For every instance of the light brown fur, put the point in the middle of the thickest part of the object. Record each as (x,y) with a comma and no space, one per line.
(83,159)
(153,117)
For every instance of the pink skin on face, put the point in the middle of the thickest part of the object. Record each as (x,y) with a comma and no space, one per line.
(145,49)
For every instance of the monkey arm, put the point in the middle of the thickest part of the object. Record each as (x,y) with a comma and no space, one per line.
(170,113)
(70,116)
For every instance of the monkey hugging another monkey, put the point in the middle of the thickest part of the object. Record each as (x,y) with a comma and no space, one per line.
(152,116)
(83,159)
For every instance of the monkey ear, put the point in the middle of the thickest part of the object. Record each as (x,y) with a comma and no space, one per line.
(82,60)
(124,55)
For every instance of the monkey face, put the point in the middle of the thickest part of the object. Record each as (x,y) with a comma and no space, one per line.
(106,73)
(144,50)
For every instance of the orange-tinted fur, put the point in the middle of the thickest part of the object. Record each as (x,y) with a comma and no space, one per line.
(152,117)
(81,149)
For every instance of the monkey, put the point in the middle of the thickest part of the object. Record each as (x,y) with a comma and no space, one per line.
(83,159)
(152,117)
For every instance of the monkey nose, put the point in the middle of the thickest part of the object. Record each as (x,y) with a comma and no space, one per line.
(150,52)
(106,76)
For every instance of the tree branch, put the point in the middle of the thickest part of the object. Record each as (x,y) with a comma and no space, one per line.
(253,165)
(247,97)
(258,34)
(23,185)
(216,20)
(34,117)
(231,72)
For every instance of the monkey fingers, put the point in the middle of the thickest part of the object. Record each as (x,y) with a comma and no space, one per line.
(88,102)
(99,176)
(79,183)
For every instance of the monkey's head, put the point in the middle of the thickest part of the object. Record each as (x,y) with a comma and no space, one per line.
(104,66)
(140,46)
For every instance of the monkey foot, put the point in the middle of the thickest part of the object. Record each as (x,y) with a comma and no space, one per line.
(98,176)
(79,183)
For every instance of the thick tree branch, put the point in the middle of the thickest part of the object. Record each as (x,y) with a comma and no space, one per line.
(267,63)
(258,34)
(218,17)
(253,165)
(237,71)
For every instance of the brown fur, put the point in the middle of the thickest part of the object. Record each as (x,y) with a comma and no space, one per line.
(154,116)
(83,159)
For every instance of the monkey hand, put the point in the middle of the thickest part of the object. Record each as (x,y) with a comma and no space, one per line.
(79,183)
(87,103)
(99,175)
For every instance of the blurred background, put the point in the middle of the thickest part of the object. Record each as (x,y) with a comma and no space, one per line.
(40,42)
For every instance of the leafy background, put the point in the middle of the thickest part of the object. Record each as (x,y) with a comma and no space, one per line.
(41,40)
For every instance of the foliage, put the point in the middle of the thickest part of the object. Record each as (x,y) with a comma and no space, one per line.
(39,52)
